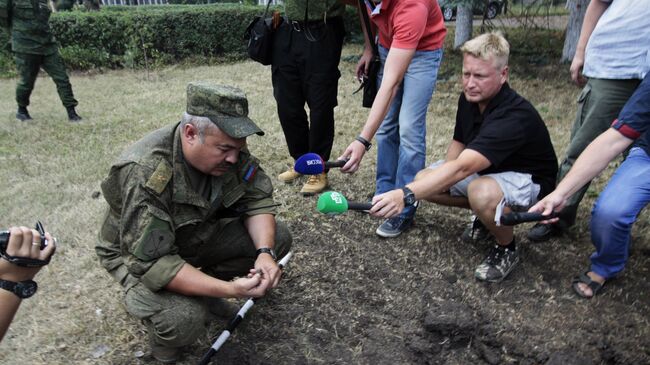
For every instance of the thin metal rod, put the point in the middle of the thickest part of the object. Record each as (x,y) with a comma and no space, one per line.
(205,360)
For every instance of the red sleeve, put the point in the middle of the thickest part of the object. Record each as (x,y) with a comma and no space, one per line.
(410,21)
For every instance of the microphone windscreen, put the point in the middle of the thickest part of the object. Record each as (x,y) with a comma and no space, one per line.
(309,164)
(332,202)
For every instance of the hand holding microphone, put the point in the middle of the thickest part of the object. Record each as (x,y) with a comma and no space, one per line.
(332,202)
(313,164)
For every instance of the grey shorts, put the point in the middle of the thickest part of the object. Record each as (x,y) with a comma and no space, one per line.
(519,190)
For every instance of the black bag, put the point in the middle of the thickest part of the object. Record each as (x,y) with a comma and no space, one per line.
(259,34)
(369,82)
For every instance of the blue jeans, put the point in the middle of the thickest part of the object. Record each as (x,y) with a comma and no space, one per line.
(616,209)
(401,138)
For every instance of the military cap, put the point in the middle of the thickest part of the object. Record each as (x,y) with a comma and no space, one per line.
(225,106)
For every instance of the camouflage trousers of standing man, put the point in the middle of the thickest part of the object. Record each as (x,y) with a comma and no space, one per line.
(175,320)
(28,66)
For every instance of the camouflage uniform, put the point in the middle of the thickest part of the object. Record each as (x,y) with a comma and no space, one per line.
(34,47)
(156,222)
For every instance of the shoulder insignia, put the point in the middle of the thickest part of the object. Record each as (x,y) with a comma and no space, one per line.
(160,177)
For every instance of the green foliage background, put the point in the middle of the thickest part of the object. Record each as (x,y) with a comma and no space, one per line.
(158,35)
(150,36)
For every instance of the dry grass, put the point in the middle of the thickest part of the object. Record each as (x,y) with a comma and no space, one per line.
(348,297)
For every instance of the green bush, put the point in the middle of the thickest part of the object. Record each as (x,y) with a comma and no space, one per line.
(146,36)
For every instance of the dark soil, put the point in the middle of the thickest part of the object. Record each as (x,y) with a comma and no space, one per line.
(351,297)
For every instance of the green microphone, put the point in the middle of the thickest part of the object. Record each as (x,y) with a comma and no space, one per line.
(332,202)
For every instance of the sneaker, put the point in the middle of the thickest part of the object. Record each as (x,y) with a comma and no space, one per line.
(393,227)
(543,232)
(498,263)
(315,184)
(22,114)
(72,114)
(475,231)
(288,176)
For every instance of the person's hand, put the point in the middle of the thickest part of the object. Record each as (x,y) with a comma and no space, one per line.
(388,205)
(576,69)
(552,202)
(354,153)
(26,243)
(364,63)
(254,285)
(269,269)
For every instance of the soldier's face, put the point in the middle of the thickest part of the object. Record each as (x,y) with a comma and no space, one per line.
(482,79)
(215,155)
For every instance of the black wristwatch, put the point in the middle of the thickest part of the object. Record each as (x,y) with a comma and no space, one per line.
(409,197)
(364,142)
(266,250)
(22,289)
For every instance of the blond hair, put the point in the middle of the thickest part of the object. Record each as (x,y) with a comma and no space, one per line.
(489,47)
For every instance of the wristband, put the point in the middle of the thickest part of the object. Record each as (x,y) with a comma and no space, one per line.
(364,142)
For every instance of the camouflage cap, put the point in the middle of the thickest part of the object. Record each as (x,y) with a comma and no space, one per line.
(226,106)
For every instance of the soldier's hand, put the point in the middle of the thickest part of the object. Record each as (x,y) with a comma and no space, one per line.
(254,286)
(269,269)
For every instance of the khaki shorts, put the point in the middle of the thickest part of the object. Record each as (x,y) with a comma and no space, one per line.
(519,190)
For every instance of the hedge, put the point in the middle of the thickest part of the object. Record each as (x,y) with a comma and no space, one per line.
(150,36)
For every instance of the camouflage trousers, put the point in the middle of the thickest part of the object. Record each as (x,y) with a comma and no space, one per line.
(175,320)
(28,66)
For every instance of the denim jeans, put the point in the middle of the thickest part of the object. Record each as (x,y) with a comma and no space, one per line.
(401,138)
(616,209)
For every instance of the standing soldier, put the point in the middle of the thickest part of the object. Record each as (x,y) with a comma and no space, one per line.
(34,46)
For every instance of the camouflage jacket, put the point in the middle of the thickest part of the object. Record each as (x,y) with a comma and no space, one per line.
(28,24)
(318,9)
(155,221)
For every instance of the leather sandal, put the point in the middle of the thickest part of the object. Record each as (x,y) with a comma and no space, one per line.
(592,284)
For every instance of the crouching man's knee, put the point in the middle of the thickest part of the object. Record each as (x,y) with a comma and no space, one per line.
(283,239)
(173,320)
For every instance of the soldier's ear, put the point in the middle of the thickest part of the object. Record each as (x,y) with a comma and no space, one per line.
(190,133)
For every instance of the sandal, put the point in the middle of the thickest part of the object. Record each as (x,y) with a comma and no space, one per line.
(592,284)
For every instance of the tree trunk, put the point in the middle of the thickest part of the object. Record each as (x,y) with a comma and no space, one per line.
(577,9)
(463,25)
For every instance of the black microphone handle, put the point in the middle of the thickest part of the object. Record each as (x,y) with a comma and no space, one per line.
(359,206)
(337,163)
(514,218)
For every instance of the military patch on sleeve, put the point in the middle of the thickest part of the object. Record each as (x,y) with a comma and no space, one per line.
(160,177)
(249,169)
(263,183)
(156,241)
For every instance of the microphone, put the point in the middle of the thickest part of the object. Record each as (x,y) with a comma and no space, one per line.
(313,164)
(515,218)
(332,202)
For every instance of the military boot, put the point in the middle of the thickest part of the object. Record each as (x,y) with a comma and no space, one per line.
(289,176)
(72,114)
(164,354)
(315,184)
(22,114)
(222,308)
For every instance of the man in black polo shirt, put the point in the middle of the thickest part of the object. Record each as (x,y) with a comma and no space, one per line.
(500,159)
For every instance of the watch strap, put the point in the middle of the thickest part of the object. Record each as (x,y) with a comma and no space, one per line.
(265,250)
(409,196)
(364,142)
(16,287)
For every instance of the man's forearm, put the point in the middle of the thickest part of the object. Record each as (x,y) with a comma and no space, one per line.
(261,228)
(593,160)
(191,281)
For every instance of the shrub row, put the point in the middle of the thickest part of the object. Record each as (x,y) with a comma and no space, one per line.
(117,37)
